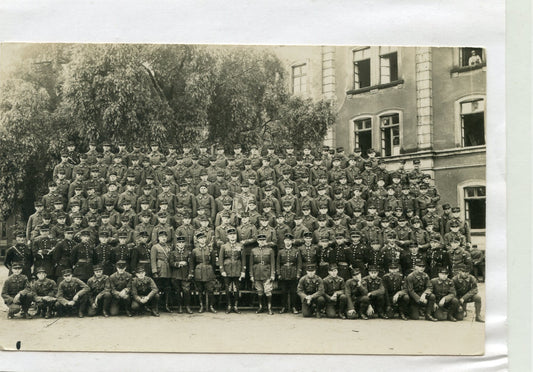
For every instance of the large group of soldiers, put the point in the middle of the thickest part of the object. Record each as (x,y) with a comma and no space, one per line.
(338,235)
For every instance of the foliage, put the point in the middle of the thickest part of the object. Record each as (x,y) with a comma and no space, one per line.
(171,94)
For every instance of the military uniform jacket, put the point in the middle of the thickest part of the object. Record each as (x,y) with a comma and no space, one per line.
(337,254)
(313,287)
(180,271)
(203,261)
(262,263)
(118,282)
(353,290)
(160,260)
(98,285)
(141,256)
(122,252)
(373,286)
(46,287)
(289,264)
(356,254)
(438,257)
(408,260)
(82,260)
(143,287)
(465,288)
(418,283)
(67,290)
(232,259)
(19,253)
(63,255)
(43,255)
(247,234)
(333,285)
(377,258)
(309,254)
(393,283)
(443,288)
(459,256)
(12,286)
(186,231)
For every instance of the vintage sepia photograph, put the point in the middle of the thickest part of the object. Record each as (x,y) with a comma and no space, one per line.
(188,198)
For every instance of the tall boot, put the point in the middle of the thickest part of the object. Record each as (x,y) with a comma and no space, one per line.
(168,301)
(210,302)
(187,301)
(260,301)
(269,301)
(201,303)
(236,306)
(228,301)
(154,310)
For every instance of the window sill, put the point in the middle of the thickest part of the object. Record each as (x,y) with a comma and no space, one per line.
(458,70)
(374,87)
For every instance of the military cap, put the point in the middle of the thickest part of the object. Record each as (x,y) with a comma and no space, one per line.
(446,206)
(308,234)
(420,263)
(253,202)
(369,217)
(306,206)
(16,265)
(336,217)
(355,271)
(391,235)
(423,186)
(289,236)
(180,239)
(203,218)
(287,203)
(462,267)
(245,214)
(310,267)
(123,235)
(374,242)
(97,267)
(454,224)
(162,233)
(231,230)
(321,217)
(339,235)
(162,214)
(143,233)
(368,164)
(416,219)
(332,266)
(200,234)
(44,227)
(394,265)
(355,234)
(104,234)
(76,215)
(298,217)
(323,205)
(85,233)
(402,219)
(194,157)
(121,263)
(263,217)
(373,268)
(456,209)
(125,218)
(416,161)
(324,238)
(92,219)
(20,234)
(280,216)
(261,237)
(39,269)
(413,245)
(67,272)
(140,269)
(395,175)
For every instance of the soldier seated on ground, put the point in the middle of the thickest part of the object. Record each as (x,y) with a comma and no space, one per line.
(467,291)
(144,293)
(311,290)
(44,292)
(444,292)
(16,294)
(71,295)
(357,297)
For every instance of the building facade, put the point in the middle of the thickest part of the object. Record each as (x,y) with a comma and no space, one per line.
(406,103)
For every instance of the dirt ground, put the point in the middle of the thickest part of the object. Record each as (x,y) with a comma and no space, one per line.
(244,333)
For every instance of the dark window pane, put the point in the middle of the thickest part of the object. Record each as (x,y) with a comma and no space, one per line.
(477,210)
(365,141)
(474,129)
(393,57)
(480,191)
(364,73)
(470,192)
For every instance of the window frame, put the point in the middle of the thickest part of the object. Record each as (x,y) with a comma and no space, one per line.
(302,77)
(382,130)
(459,128)
(384,55)
(355,61)
(355,130)
(462,200)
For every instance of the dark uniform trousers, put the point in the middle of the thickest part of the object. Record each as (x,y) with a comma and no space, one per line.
(418,283)
(357,297)
(41,289)
(99,289)
(331,286)
(376,293)
(393,283)
(466,289)
(66,292)
(14,285)
(314,287)
(141,288)
(117,283)
(181,286)
(445,289)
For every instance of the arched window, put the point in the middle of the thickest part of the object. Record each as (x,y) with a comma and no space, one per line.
(390,125)
(363,133)
(472,199)
(470,121)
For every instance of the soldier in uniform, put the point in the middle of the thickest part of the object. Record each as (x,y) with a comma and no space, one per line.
(311,292)
(99,295)
(144,292)
(376,292)
(71,295)
(458,256)
(419,288)
(44,292)
(445,296)
(289,266)
(437,256)
(21,253)
(16,293)
(356,296)
(119,284)
(408,259)
(203,261)
(396,296)
(308,250)
(43,251)
(262,271)
(142,252)
(63,253)
(160,261)
(357,252)
(467,291)
(83,257)
(334,294)
(180,263)
(232,260)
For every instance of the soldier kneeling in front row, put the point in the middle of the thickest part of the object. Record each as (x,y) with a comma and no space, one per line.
(466,289)
(144,293)
(419,288)
(357,296)
(99,294)
(396,297)
(311,290)
(376,292)
(71,295)
(334,293)
(44,293)
(444,292)
(16,294)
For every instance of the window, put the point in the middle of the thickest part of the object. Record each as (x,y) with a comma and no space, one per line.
(363,134)
(388,67)
(475,208)
(390,134)
(361,68)
(473,123)
(471,57)
(299,79)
